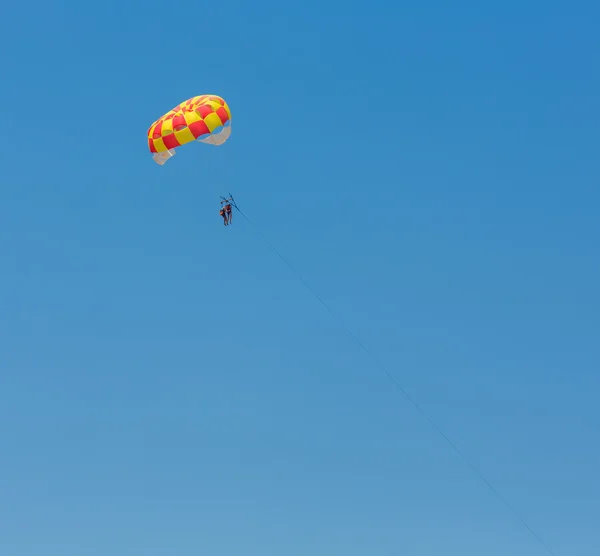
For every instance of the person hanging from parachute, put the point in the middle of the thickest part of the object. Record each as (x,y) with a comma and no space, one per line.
(223,215)
(227,215)
(228,212)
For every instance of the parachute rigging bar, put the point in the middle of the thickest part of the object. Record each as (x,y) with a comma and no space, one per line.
(230,199)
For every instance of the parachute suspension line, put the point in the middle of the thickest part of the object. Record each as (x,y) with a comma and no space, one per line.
(400,388)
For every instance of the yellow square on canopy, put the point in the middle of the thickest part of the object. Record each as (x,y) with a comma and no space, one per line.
(213,121)
(159,145)
(191,117)
(167,127)
(184,136)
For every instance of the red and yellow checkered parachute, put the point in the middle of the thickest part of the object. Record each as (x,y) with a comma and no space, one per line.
(204,118)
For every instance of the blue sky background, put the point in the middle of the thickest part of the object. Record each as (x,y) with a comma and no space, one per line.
(168,387)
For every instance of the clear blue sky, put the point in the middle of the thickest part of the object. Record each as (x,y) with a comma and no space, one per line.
(168,387)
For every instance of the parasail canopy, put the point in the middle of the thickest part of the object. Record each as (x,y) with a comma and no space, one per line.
(204,118)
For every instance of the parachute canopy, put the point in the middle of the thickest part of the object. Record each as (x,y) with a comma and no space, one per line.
(204,118)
